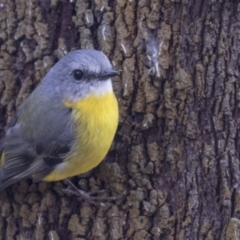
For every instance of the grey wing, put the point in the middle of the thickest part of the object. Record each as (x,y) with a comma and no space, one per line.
(33,158)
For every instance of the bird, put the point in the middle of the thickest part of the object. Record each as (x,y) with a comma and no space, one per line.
(67,124)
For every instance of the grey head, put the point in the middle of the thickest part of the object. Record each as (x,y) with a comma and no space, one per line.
(78,73)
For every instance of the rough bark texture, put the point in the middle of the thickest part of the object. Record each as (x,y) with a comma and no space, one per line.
(176,152)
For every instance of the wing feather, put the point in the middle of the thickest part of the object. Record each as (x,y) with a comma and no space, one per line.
(23,159)
(38,139)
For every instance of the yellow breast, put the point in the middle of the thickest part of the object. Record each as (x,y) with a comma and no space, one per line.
(96,119)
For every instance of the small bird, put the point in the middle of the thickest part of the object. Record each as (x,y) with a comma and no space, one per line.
(67,124)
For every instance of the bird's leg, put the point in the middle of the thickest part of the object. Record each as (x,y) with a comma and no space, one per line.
(88,197)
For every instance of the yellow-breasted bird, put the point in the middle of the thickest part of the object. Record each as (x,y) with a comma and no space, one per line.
(67,124)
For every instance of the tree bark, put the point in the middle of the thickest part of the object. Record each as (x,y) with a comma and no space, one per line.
(176,151)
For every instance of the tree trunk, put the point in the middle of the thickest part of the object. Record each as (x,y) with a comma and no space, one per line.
(176,152)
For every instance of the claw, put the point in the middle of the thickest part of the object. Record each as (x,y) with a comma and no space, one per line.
(88,197)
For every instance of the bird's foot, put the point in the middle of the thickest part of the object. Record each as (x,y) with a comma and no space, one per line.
(89,197)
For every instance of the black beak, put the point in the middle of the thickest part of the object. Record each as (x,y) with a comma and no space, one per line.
(108,74)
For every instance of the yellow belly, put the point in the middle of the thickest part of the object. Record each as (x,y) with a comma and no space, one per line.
(96,119)
(1,159)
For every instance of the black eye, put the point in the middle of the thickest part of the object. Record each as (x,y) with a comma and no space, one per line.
(77,74)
